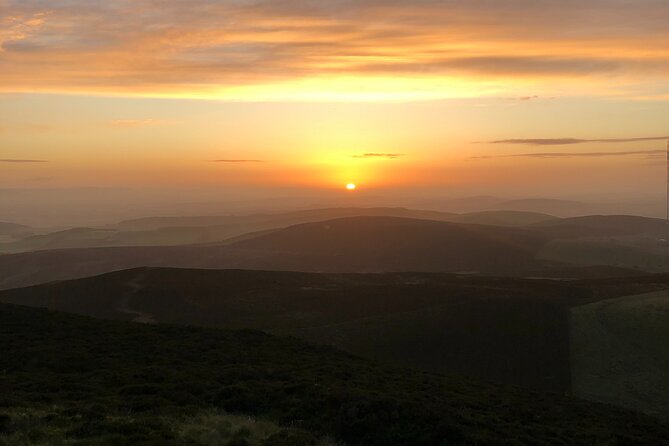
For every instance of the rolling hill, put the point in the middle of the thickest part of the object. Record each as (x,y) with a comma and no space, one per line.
(13,228)
(617,240)
(504,330)
(79,380)
(357,244)
(172,231)
(503,218)
(10,232)
(377,244)
(265,221)
(602,226)
(551,206)
(554,248)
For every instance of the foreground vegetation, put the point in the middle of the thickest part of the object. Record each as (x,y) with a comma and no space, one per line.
(56,426)
(87,381)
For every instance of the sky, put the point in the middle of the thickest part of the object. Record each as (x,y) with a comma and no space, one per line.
(515,97)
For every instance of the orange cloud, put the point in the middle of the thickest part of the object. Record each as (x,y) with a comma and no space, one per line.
(363,50)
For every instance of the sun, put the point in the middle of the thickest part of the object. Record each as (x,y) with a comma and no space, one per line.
(351,186)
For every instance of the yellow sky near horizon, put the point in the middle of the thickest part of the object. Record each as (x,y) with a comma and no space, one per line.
(315,94)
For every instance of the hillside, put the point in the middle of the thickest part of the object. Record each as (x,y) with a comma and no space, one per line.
(602,226)
(375,244)
(505,330)
(171,231)
(80,378)
(619,352)
(357,244)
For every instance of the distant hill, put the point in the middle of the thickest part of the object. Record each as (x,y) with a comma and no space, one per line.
(86,381)
(617,240)
(172,231)
(505,330)
(70,238)
(376,244)
(560,208)
(13,228)
(503,218)
(460,205)
(261,221)
(550,206)
(590,272)
(602,226)
(357,244)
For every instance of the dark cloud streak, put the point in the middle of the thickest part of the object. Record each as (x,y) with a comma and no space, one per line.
(379,155)
(648,153)
(569,141)
(237,161)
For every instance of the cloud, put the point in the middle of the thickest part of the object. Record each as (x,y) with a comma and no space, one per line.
(648,153)
(22,161)
(568,141)
(237,161)
(252,49)
(379,155)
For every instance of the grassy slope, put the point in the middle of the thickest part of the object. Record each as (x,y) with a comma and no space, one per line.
(619,351)
(505,330)
(97,372)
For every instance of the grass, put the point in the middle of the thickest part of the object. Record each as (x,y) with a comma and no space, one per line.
(619,351)
(86,381)
(56,426)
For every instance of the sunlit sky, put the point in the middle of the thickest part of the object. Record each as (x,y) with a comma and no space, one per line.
(547,97)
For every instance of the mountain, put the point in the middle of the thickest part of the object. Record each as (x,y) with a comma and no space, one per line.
(70,379)
(357,244)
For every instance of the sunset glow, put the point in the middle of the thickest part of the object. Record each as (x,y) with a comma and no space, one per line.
(310,94)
